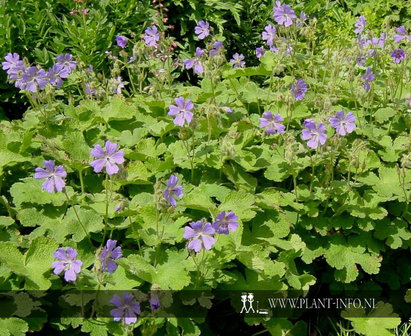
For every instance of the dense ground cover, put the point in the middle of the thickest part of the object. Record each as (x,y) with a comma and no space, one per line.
(216,146)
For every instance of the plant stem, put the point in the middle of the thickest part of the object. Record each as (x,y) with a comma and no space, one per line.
(135,233)
(80,173)
(106,215)
(78,217)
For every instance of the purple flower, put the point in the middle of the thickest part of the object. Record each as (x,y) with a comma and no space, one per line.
(259,52)
(108,158)
(226,222)
(121,41)
(56,73)
(67,263)
(200,235)
(237,60)
(126,309)
(274,50)
(89,90)
(398,55)
(314,134)
(303,16)
(228,110)
(202,30)
(217,46)
(53,175)
(108,255)
(154,303)
(401,34)
(343,124)
(152,36)
(67,62)
(33,79)
(118,84)
(272,123)
(268,34)
(195,62)
(13,65)
(299,89)
(379,41)
(283,14)
(172,190)
(361,58)
(181,111)
(360,24)
(368,77)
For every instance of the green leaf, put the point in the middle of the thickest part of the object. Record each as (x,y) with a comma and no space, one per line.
(137,173)
(38,260)
(91,221)
(384,114)
(118,109)
(75,145)
(241,203)
(130,139)
(257,258)
(271,198)
(6,221)
(94,327)
(179,154)
(12,258)
(195,199)
(137,265)
(344,258)
(387,185)
(395,232)
(13,326)
(279,169)
(241,179)
(376,323)
(29,191)
(172,274)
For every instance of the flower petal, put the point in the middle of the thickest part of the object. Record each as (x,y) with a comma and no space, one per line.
(110,147)
(98,165)
(97,151)
(111,168)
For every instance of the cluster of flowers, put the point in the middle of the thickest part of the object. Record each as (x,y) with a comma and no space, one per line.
(110,158)
(32,78)
(312,133)
(151,37)
(67,262)
(200,234)
(272,123)
(283,15)
(126,307)
(202,30)
(397,54)
(54,176)
(183,114)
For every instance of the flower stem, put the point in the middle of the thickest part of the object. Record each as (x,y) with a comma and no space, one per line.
(76,213)
(80,173)
(312,174)
(106,215)
(135,233)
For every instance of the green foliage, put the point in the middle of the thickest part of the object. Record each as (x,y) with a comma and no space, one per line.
(336,216)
